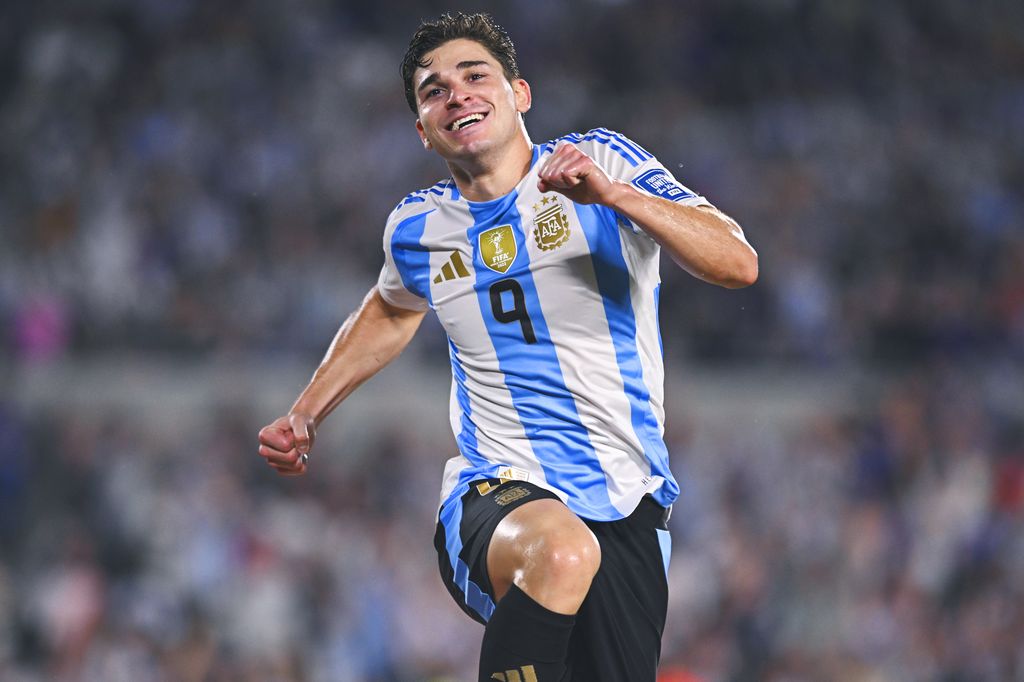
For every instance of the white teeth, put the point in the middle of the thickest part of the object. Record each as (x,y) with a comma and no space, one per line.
(465,120)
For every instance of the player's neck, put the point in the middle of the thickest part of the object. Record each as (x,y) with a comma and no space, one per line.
(495,175)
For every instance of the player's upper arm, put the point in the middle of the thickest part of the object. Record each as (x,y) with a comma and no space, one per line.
(396,312)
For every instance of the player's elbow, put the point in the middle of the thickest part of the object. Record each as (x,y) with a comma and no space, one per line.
(736,272)
(744,273)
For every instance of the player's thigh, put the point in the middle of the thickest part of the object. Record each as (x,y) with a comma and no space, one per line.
(540,539)
(463,535)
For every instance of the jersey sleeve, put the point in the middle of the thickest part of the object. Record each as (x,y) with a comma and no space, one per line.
(627,161)
(396,283)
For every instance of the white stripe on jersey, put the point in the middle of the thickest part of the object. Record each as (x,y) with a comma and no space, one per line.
(641,253)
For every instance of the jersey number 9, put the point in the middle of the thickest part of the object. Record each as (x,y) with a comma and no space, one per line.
(518,311)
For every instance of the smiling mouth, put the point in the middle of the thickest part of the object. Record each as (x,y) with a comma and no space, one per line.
(466,122)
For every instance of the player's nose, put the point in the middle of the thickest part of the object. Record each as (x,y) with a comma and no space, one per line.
(457,97)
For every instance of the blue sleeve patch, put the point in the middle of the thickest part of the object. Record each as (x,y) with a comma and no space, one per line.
(657,182)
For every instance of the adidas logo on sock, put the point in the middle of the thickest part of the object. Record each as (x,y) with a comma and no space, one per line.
(453,269)
(528,675)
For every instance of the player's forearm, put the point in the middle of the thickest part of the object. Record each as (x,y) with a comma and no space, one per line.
(704,241)
(370,338)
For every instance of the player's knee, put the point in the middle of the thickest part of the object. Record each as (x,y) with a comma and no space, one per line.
(569,558)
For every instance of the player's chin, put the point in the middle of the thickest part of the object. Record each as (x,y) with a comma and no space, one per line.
(469,146)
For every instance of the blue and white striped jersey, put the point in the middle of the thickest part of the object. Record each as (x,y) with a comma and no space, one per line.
(551,313)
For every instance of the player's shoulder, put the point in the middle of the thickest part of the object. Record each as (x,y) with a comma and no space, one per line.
(602,142)
(423,200)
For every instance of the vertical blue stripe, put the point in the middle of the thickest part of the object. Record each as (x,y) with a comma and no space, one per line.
(476,599)
(657,317)
(411,257)
(613,282)
(467,434)
(533,375)
(665,542)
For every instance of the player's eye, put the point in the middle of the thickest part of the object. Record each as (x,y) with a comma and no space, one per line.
(433,92)
(476,76)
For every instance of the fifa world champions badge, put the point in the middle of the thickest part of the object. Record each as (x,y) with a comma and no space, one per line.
(498,248)
(551,224)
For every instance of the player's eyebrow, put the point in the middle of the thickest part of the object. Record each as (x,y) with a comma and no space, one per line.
(469,64)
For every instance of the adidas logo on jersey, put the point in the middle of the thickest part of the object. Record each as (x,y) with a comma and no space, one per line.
(453,269)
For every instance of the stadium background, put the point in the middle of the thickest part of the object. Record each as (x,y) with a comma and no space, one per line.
(192,199)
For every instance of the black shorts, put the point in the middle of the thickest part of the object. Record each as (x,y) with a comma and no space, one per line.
(617,635)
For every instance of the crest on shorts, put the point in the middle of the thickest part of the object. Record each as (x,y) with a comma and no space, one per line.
(507,497)
(498,248)
(551,224)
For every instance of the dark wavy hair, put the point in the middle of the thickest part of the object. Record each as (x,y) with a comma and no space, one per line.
(480,27)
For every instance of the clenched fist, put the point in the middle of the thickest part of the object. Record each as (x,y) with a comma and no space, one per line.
(285,443)
(572,173)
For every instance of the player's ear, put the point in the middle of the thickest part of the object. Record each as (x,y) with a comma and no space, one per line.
(422,134)
(524,99)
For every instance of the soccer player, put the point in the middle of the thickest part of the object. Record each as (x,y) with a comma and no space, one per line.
(541,262)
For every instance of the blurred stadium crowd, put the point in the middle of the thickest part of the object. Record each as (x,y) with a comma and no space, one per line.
(208,181)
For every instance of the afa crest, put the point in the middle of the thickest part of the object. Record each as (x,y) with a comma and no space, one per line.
(498,248)
(551,224)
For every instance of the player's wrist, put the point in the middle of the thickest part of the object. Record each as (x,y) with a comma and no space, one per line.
(306,413)
(618,195)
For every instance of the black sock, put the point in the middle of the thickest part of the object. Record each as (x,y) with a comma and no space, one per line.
(524,642)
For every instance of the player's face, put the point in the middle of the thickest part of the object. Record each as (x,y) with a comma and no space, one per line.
(466,105)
